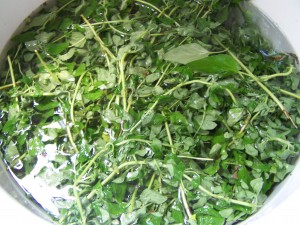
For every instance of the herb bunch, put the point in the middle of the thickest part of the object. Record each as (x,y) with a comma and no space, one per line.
(159,111)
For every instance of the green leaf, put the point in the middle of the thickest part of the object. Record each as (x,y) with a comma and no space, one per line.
(77,39)
(213,168)
(10,125)
(151,219)
(45,37)
(178,118)
(24,37)
(94,95)
(251,150)
(210,220)
(225,213)
(151,196)
(40,20)
(234,116)
(80,70)
(257,184)
(206,122)
(67,55)
(152,77)
(11,153)
(215,64)
(115,209)
(46,106)
(185,54)
(56,49)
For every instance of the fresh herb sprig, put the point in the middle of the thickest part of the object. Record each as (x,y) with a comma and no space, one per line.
(149,112)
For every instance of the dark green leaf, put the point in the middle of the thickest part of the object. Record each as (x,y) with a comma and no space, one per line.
(56,49)
(215,64)
(186,53)
(151,196)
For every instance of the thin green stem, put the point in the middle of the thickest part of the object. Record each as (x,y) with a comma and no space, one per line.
(165,94)
(112,27)
(151,181)
(74,97)
(163,75)
(238,202)
(132,200)
(187,83)
(98,39)
(185,202)
(133,140)
(169,134)
(70,136)
(268,77)
(232,96)
(195,158)
(89,165)
(290,94)
(79,205)
(46,67)
(126,164)
(107,22)
(256,79)
(156,9)
(12,74)
(123,81)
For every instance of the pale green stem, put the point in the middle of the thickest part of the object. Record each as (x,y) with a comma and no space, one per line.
(114,172)
(163,75)
(232,96)
(12,74)
(79,205)
(92,161)
(156,9)
(268,77)
(290,94)
(185,202)
(46,67)
(280,140)
(98,39)
(151,181)
(167,93)
(131,208)
(71,138)
(173,10)
(133,140)
(107,22)
(112,27)
(238,202)
(134,163)
(123,81)
(195,158)
(74,97)
(169,134)
(256,79)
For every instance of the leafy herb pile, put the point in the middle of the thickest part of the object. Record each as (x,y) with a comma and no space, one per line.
(157,111)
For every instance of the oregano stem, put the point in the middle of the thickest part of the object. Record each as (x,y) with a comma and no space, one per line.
(46,67)
(256,79)
(74,97)
(157,9)
(98,39)
(79,205)
(268,77)
(165,94)
(126,164)
(238,202)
